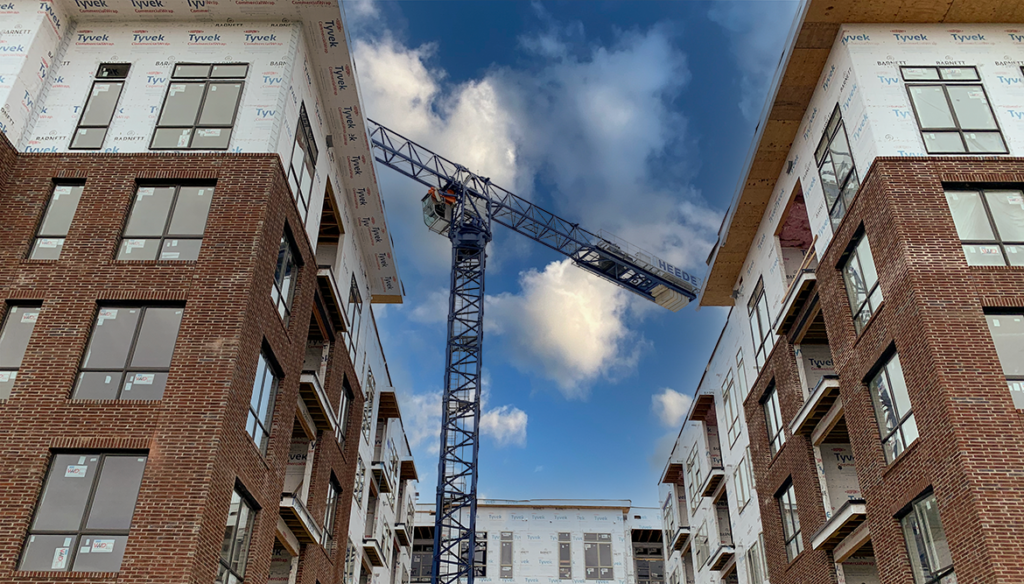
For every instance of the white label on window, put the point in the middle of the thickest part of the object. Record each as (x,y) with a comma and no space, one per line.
(174,243)
(169,255)
(60,559)
(975,94)
(49,243)
(176,87)
(213,88)
(106,313)
(183,139)
(145,378)
(107,380)
(81,460)
(201,192)
(29,317)
(102,88)
(130,244)
(128,386)
(1015,199)
(211,133)
(146,192)
(83,550)
(5,376)
(57,192)
(104,546)
(76,471)
(989,251)
(995,322)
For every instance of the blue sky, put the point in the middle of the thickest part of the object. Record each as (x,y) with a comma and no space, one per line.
(631,117)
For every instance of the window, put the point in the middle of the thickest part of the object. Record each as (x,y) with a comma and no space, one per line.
(360,482)
(355,313)
(100,106)
(235,550)
(926,543)
(506,554)
(200,107)
(701,546)
(952,110)
(56,221)
(422,560)
(892,409)
(597,555)
(302,167)
(129,353)
(284,277)
(773,420)
(14,337)
(990,224)
(84,514)
(565,556)
(368,407)
(741,376)
(166,223)
(351,554)
(693,477)
(861,282)
(742,478)
(648,563)
(330,511)
(479,554)
(790,521)
(1007,334)
(261,403)
(343,406)
(756,570)
(760,325)
(838,174)
(732,414)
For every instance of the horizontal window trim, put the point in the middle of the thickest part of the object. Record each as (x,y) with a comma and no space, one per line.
(956,120)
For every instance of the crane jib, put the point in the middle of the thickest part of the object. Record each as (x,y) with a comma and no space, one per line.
(463,205)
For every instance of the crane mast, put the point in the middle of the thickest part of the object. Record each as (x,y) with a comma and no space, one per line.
(463,206)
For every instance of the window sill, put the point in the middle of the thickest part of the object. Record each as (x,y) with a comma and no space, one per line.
(792,563)
(983,269)
(896,461)
(32,262)
(867,325)
(70,576)
(782,449)
(107,402)
(156,262)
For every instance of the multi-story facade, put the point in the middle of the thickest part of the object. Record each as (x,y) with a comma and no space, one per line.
(192,388)
(555,541)
(868,381)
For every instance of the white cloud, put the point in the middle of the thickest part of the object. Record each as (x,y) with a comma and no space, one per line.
(539,468)
(670,406)
(757,31)
(422,420)
(566,325)
(506,424)
(432,309)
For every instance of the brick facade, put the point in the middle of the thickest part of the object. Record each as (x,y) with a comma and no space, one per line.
(971,445)
(195,436)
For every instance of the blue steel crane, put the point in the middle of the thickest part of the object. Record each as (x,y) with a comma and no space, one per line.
(463,205)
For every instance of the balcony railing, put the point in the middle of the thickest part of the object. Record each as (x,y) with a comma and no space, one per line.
(298,519)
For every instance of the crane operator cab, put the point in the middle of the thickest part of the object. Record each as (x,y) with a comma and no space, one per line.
(437,210)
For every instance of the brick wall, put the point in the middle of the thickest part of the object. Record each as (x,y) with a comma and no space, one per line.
(971,445)
(794,461)
(195,436)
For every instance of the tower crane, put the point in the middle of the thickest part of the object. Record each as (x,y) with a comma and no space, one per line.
(463,206)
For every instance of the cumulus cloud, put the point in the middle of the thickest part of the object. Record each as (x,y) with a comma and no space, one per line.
(670,406)
(757,31)
(506,424)
(566,325)
(422,420)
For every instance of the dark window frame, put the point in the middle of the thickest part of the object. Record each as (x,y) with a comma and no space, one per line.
(331,512)
(777,440)
(354,315)
(272,369)
(287,253)
(83,529)
(599,539)
(128,368)
(507,537)
(39,235)
(222,567)
(303,133)
(10,307)
(164,236)
(116,77)
(943,83)
(849,255)
(764,338)
(787,494)
(565,565)
(1015,383)
(998,241)
(880,369)
(479,554)
(344,408)
(205,81)
(940,575)
(848,185)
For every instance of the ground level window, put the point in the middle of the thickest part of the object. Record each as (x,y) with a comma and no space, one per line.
(597,556)
(81,523)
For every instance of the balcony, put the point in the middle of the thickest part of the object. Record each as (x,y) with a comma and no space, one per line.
(298,519)
(711,483)
(681,538)
(382,477)
(800,292)
(843,523)
(373,552)
(723,557)
(334,302)
(407,470)
(817,406)
(315,399)
(403,532)
(387,407)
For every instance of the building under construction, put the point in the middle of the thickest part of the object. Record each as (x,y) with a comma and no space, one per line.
(860,419)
